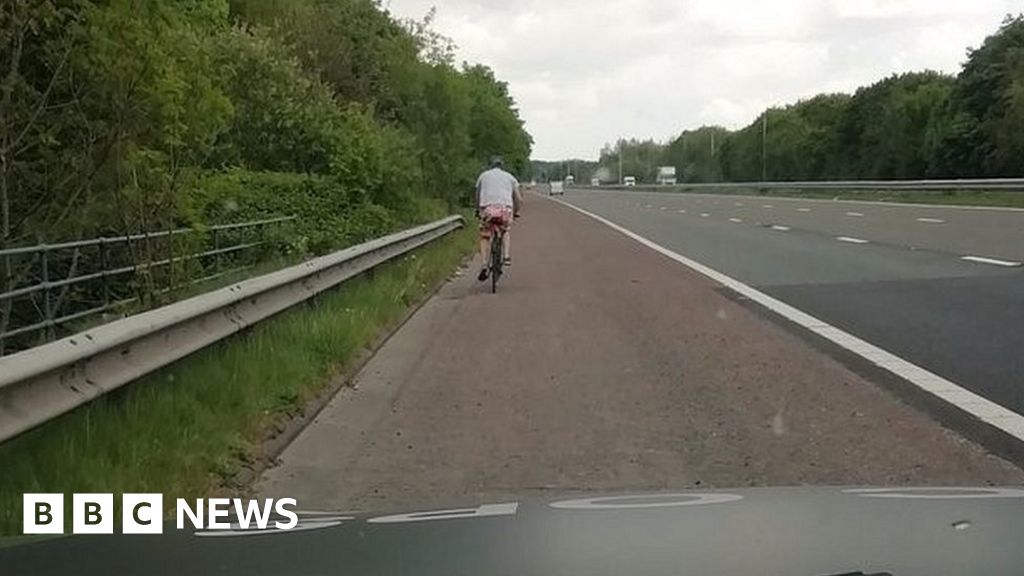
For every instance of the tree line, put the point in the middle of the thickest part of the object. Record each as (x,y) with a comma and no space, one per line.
(128,115)
(906,126)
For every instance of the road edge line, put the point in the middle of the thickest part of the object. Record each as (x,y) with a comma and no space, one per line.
(1006,421)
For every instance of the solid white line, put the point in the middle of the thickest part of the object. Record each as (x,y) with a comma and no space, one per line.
(736,220)
(993,261)
(780,228)
(991,413)
(931,220)
(803,209)
(851,240)
(854,214)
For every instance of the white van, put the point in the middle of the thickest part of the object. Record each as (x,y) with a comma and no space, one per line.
(556,188)
(629,181)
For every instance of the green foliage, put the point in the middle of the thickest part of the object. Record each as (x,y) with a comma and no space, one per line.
(115,112)
(988,107)
(906,126)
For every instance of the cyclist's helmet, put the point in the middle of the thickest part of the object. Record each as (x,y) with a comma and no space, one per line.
(496,162)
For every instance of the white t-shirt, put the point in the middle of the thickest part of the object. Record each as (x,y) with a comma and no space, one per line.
(496,187)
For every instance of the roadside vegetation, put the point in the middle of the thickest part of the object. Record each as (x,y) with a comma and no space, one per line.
(124,116)
(909,126)
(186,430)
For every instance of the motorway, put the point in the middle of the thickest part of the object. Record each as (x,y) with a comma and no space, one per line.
(602,365)
(941,287)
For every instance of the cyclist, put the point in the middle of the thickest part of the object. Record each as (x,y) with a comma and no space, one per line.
(497,199)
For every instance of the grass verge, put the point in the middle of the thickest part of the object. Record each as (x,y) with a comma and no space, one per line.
(187,429)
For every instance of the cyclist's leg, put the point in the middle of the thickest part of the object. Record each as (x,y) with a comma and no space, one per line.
(484,249)
(506,247)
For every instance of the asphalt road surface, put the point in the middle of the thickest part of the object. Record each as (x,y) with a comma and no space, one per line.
(602,365)
(893,275)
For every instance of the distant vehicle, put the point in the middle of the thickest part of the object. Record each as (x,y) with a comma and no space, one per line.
(629,181)
(570,180)
(666,175)
(556,188)
(595,181)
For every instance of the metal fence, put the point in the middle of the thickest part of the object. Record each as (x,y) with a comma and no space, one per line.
(49,290)
(48,380)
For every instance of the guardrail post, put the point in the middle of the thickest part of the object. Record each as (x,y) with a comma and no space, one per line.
(170,260)
(105,266)
(216,250)
(47,296)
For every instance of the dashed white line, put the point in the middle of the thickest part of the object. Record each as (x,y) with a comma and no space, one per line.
(932,220)
(768,206)
(993,261)
(803,209)
(780,228)
(663,208)
(736,220)
(681,211)
(704,215)
(855,214)
(738,204)
(851,240)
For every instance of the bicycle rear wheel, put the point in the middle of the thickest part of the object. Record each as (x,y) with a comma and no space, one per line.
(496,261)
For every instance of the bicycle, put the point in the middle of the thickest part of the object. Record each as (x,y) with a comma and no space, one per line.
(497,259)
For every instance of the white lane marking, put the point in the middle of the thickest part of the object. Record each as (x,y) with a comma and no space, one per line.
(846,202)
(851,240)
(780,228)
(993,261)
(989,412)
(663,208)
(736,220)
(648,206)
(738,204)
(704,215)
(803,209)
(769,206)
(681,211)
(932,220)
(855,214)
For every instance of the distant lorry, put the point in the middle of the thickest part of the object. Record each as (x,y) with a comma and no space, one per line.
(570,180)
(595,181)
(666,175)
(629,181)
(555,188)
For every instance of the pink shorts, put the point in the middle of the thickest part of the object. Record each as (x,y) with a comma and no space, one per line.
(496,215)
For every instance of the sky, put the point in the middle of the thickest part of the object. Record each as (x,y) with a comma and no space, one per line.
(586,72)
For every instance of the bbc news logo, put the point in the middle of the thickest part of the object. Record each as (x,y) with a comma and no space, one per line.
(143,514)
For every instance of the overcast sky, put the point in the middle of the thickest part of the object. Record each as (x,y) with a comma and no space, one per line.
(585,72)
